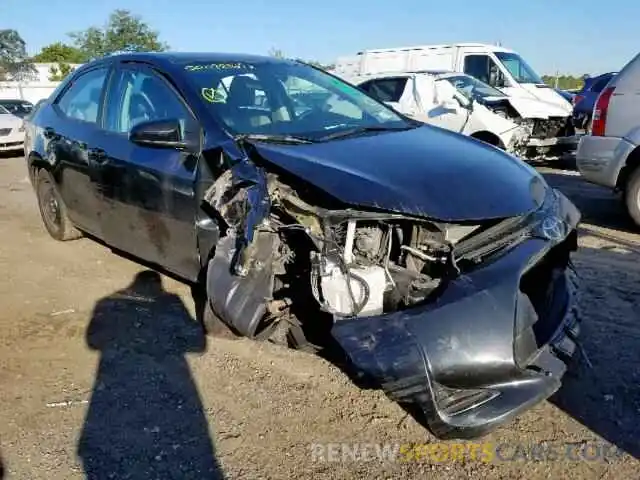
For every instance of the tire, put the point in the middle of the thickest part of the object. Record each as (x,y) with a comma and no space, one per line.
(632,196)
(52,209)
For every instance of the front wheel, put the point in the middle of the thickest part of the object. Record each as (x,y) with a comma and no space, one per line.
(632,196)
(52,209)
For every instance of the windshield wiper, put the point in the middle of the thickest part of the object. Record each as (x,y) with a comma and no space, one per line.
(359,130)
(260,137)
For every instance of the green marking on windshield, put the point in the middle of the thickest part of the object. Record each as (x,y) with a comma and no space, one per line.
(212,95)
(218,66)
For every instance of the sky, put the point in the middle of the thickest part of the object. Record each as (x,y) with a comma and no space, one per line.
(572,37)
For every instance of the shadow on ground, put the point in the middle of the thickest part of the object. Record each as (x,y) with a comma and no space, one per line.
(145,417)
(603,393)
(11,154)
(599,205)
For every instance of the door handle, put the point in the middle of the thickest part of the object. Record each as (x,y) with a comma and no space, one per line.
(49,132)
(98,155)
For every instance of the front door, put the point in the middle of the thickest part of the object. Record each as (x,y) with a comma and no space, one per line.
(148,192)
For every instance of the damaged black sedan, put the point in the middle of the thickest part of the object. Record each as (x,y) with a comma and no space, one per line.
(312,214)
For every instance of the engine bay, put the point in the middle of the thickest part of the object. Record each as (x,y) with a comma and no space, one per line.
(378,266)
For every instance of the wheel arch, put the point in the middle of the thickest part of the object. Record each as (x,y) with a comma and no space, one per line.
(35,162)
(633,162)
(488,137)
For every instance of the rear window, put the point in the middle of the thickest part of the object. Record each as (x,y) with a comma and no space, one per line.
(599,84)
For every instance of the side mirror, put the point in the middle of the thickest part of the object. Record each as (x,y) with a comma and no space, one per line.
(159,134)
(464,102)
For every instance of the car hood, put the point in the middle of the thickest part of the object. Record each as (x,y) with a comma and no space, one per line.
(426,172)
(529,107)
(9,120)
(540,98)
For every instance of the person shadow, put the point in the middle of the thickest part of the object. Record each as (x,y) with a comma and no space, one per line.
(145,418)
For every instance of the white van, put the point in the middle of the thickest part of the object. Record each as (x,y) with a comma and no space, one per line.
(609,154)
(553,132)
(453,101)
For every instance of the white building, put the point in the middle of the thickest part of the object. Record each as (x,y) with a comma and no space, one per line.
(34,89)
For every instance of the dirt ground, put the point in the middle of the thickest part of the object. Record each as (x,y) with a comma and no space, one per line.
(102,379)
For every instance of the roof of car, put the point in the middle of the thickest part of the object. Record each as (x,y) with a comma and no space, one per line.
(183,58)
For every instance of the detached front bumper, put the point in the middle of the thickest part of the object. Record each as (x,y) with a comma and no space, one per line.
(496,341)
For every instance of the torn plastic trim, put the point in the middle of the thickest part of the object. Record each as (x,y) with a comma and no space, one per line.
(241,197)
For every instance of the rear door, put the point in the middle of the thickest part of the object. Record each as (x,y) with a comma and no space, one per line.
(70,129)
(148,192)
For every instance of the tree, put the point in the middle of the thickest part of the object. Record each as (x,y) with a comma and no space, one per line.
(60,53)
(14,62)
(564,82)
(124,32)
(276,52)
(59,71)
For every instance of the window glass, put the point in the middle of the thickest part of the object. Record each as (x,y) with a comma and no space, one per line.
(518,68)
(599,84)
(285,98)
(18,108)
(472,88)
(387,89)
(139,96)
(82,100)
(478,66)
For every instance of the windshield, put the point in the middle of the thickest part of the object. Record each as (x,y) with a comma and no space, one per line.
(17,108)
(518,68)
(472,88)
(3,111)
(287,98)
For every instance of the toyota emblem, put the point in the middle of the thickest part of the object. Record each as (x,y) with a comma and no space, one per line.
(553,228)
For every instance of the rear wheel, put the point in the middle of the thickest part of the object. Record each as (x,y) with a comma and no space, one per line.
(632,196)
(52,209)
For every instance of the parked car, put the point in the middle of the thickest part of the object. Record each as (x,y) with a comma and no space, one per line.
(11,131)
(19,108)
(609,155)
(566,94)
(454,101)
(437,264)
(553,132)
(585,99)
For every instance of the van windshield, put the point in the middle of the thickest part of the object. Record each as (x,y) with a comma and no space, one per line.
(287,98)
(518,68)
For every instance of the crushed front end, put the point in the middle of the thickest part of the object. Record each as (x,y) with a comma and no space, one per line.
(471,321)
(494,339)
(552,138)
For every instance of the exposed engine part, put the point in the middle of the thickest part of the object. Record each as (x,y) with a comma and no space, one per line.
(368,242)
(358,263)
(380,265)
(352,291)
(550,127)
